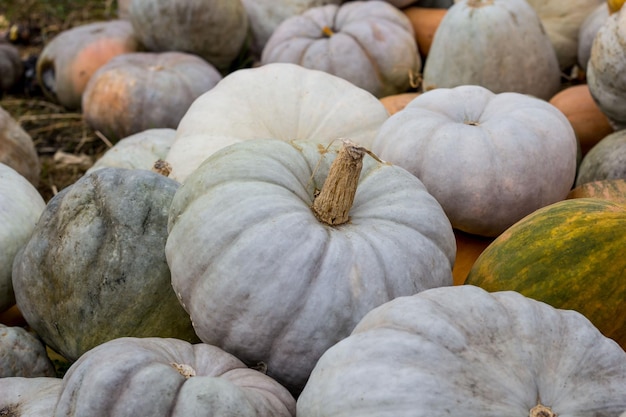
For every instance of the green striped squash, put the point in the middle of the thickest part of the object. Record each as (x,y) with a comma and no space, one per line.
(570,255)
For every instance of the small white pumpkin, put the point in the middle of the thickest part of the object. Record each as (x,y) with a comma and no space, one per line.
(514,55)
(29,397)
(369,43)
(606,69)
(275,101)
(20,208)
(588,30)
(489,159)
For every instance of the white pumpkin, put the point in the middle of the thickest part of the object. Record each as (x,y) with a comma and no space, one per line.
(606,70)
(29,397)
(274,101)
(20,208)
(588,30)
(514,55)
(462,351)
(489,159)
(562,20)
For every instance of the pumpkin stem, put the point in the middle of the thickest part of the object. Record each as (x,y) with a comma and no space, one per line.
(334,201)
(184,369)
(479,3)
(328,32)
(162,167)
(541,411)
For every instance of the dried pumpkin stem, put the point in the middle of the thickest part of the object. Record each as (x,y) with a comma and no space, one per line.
(327,31)
(541,411)
(334,201)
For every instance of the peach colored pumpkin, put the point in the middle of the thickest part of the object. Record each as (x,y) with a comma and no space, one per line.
(468,249)
(145,90)
(396,102)
(588,121)
(68,61)
(609,189)
(425,21)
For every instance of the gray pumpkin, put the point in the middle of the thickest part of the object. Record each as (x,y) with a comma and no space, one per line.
(605,161)
(94,268)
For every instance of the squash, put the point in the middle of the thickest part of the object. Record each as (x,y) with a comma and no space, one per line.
(23,354)
(20,208)
(551,254)
(272,271)
(29,397)
(369,43)
(514,55)
(606,160)
(461,351)
(215,31)
(94,267)
(68,61)
(606,70)
(143,90)
(138,151)
(588,121)
(610,189)
(266,15)
(587,32)
(17,148)
(562,20)
(278,101)
(489,159)
(168,377)
(11,67)
(425,21)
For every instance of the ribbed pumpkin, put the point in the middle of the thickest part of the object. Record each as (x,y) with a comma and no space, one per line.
(270,279)
(569,254)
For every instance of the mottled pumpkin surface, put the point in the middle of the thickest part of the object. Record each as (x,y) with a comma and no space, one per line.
(570,255)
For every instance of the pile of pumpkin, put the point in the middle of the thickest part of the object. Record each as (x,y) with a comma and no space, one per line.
(399,208)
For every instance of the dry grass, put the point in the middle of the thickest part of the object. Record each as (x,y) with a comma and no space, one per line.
(55,130)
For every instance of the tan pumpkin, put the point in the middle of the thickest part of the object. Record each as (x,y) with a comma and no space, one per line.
(468,249)
(609,189)
(588,121)
(396,102)
(68,61)
(425,21)
(143,90)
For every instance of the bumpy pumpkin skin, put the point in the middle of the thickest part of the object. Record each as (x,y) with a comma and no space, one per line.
(515,55)
(605,161)
(569,255)
(606,69)
(23,354)
(168,378)
(280,101)
(215,30)
(267,281)
(369,43)
(68,61)
(461,351)
(139,91)
(29,397)
(138,151)
(20,208)
(489,159)
(95,268)
(17,148)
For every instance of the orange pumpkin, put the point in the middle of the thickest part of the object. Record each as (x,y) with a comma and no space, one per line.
(12,317)
(468,248)
(588,121)
(396,102)
(425,21)
(608,189)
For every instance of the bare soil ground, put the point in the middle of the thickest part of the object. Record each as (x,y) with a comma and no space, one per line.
(66,145)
